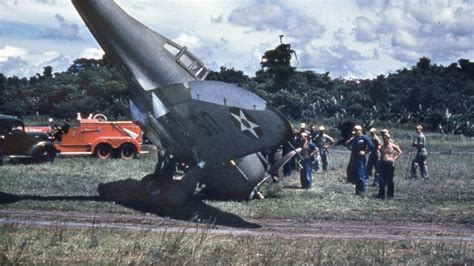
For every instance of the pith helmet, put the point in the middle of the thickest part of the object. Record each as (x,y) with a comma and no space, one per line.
(302,125)
(322,128)
(373,130)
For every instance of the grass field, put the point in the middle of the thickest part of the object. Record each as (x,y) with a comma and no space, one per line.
(58,245)
(71,184)
(444,198)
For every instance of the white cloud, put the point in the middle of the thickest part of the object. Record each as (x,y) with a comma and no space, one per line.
(339,60)
(365,30)
(368,37)
(408,30)
(66,30)
(92,53)
(188,40)
(14,66)
(18,61)
(58,63)
(276,17)
(12,52)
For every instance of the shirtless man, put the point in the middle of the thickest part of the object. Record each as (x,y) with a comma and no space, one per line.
(389,154)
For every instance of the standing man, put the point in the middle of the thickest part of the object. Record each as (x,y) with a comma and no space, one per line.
(349,174)
(389,154)
(302,130)
(316,159)
(323,141)
(360,146)
(308,149)
(421,154)
(372,163)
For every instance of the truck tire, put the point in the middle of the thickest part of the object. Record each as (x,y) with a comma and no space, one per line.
(128,151)
(103,151)
(45,155)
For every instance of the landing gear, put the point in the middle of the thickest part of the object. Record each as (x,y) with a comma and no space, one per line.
(165,166)
(163,190)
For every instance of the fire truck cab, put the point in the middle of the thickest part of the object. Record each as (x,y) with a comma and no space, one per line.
(96,136)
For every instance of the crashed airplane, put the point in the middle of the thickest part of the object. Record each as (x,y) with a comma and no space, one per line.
(214,128)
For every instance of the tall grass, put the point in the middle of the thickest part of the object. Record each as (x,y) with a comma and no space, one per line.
(34,246)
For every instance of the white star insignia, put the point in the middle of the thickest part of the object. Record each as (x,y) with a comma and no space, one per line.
(245,124)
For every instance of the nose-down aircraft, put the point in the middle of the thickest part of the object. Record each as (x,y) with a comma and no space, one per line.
(214,128)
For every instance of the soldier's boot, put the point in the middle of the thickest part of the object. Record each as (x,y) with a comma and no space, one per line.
(424,170)
(376,179)
(390,190)
(414,166)
(381,194)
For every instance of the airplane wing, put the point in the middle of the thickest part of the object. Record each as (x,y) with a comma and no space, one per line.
(224,120)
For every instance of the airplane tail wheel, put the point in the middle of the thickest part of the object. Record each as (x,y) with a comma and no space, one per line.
(103,151)
(128,151)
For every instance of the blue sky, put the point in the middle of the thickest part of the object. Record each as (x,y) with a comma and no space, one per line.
(352,39)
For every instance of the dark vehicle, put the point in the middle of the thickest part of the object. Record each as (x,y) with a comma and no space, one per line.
(22,146)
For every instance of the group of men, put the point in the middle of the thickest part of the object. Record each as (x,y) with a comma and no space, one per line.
(314,154)
(382,154)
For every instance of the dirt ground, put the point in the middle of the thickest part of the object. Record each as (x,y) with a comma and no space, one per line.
(253,227)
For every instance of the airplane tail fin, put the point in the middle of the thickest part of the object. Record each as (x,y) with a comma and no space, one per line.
(150,59)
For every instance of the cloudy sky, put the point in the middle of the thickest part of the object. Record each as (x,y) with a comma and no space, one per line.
(352,39)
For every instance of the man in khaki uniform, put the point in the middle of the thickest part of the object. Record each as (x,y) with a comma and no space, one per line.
(373,162)
(421,154)
(323,141)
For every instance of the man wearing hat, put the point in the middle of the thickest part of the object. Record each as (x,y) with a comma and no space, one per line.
(302,130)
(372,163)
(360,146)
(323,141)
(389,154)
(421,154)
(308,149)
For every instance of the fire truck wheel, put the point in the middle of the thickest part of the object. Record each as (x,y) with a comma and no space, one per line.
(103,151)
(128,151)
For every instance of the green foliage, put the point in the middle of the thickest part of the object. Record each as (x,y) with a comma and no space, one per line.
(441,98)
(88,86)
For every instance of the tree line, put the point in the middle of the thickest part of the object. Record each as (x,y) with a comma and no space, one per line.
(439,97)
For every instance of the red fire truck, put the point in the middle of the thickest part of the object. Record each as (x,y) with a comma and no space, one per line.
(96,136)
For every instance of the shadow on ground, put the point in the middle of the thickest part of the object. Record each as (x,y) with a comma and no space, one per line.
(129,193)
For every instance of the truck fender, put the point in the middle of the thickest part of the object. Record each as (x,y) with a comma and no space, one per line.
(48,145)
